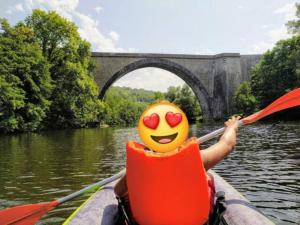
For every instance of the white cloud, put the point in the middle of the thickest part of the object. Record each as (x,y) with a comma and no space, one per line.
(88,29)
(260,47)
(276,34)
(273,36)
(150,79)
(98,9)
(289,11)
(87,26)
(19,7)
(114,35)
(65,8)
(16,8)
(265,26)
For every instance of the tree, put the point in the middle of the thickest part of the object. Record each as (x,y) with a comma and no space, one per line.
(277,72)
(245,102)
(173,93)
(25,82)
(158,96)
(294,25)
(186,100)
(74,99)
(124,105)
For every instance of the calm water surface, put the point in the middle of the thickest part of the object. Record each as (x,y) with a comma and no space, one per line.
(34,168)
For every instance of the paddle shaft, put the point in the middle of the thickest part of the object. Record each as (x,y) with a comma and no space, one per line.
(122,173)
(31,213)
(288,100)
(92,186)
(215,133)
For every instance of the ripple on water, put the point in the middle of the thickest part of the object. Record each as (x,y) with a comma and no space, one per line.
(265,166)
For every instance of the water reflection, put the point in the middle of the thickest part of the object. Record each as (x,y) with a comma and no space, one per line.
(38,167)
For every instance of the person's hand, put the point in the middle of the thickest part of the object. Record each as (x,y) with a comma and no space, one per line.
(214,154)
(233,122)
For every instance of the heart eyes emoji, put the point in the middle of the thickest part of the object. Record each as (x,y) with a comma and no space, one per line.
(152,121)
(173,119)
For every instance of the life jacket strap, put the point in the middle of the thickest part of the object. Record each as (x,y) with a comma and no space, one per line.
(219,209)
(124,212)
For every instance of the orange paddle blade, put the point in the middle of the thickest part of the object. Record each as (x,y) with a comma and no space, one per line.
(286,101)
(25,214)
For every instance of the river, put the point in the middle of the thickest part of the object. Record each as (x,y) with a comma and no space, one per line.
(39,167)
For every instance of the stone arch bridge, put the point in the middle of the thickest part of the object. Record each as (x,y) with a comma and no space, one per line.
(213,78)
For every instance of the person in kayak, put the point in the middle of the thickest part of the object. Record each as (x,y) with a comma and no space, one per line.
(166,179)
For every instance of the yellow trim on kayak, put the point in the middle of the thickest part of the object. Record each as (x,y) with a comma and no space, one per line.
(79,208)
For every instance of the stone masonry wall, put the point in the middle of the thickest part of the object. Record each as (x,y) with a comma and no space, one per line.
(213,78)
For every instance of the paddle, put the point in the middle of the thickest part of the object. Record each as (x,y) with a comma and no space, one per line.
(31,213)
(289,100)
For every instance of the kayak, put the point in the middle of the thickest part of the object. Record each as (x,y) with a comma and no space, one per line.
(102,207)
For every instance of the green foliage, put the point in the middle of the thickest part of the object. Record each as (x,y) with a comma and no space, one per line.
(173,93)
(45,75)
(294,25)
(186,100)
(75,96)
(245,102)
(277,72)
(158,96)
(25,83)
(134,95)
(124,106)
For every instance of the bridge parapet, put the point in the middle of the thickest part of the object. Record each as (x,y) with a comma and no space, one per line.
(213,78)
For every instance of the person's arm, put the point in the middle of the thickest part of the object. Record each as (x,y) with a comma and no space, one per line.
(121,187)
(215,153)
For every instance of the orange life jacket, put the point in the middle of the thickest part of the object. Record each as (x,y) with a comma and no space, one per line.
(168,189)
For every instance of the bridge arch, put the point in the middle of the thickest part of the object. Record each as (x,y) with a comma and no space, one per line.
(182,72)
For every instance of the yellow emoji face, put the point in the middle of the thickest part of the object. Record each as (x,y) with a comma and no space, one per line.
(163,127)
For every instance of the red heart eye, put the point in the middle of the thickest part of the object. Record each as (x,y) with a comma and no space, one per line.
(173,119)
(151,121)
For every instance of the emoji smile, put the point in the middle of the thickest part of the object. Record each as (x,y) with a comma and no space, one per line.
(164,139)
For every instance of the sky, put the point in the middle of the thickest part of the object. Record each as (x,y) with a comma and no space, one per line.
(203,27)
